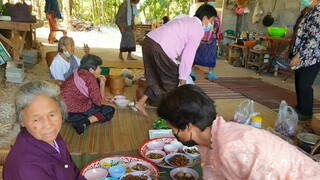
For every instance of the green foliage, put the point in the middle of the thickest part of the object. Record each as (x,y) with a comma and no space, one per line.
(104,11)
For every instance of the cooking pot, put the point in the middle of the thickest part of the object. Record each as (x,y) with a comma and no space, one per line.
(268,20)
(308,142)
(239,41)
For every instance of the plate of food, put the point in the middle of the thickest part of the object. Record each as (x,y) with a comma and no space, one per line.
(125,161)
(179,160)
(166,140)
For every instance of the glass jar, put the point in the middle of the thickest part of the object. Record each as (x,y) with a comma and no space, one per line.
(256,121)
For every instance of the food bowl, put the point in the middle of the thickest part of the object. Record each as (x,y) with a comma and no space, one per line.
(117,171)
(155,145)
(277,32)
(135,175)
(183,173)
(96,173)
(191,151)
(178,160)
(170,148)
(120,97)
(141,167)
(178,144)
(155,156)
(122,102)
(249,43)
(108,162)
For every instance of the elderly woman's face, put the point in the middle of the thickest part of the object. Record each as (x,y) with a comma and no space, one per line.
(43,119)
(69,47)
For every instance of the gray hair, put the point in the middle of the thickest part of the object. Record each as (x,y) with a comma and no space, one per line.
(29,91)
(63,41)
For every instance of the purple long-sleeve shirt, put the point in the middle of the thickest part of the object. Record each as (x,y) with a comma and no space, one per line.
(180,37)
(31,159)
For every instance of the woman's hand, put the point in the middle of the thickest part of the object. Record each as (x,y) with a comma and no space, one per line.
(295,61)
(86,48)
(102,80)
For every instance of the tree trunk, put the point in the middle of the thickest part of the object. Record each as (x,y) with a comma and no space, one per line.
(66,12)
(93,12)
(103,21)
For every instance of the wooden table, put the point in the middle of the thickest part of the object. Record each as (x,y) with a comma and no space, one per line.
(272,41)
(25,30)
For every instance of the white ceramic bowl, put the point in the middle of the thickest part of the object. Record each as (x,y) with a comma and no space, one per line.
(155,145)
(177,143)
(170,148)
(122,102)
(108,162)
(135,174)
(155,160)
(185,171)
(191,151)
(168,160)
(141,167)
(120,97)
(96,173)
(117,171)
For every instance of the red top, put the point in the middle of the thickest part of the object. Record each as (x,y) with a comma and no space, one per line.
(75,100)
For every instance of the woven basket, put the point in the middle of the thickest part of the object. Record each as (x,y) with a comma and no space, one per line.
(49,57)
(315,123)
(3,155)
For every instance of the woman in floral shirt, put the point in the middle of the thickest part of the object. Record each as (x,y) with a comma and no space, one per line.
(305,53)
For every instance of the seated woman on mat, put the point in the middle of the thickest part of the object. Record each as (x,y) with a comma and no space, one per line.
(65,62)
(39,151)
(83,93)
(230,150)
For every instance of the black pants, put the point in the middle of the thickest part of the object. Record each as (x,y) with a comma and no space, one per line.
(304,79)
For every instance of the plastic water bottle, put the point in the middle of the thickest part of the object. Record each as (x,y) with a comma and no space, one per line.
(275,73)
(256,121)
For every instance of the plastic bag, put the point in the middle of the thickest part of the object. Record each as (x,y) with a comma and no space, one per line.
(287,120)
(244,112)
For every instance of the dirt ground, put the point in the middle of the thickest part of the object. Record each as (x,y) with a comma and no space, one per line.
(104,43)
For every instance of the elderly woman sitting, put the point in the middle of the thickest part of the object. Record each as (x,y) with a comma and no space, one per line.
(65,63)
(83,93)
(39,151)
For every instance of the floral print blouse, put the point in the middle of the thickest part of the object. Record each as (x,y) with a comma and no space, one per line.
(307,43)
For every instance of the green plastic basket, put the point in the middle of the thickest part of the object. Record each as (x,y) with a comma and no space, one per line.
(105,70)
(277,32)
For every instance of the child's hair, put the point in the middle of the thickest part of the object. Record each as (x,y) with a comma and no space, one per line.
(165,19)
(187,104)
(206,10)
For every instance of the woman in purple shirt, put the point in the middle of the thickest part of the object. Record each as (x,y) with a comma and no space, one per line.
(169,51)
(39,151)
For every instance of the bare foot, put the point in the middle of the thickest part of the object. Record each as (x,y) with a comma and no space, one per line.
(121,58)
(131,59)
(141,109)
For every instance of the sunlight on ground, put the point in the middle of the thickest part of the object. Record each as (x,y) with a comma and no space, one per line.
(108,37)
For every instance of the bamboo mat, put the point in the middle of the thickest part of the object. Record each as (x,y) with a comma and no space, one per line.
(127,131)
(265,93)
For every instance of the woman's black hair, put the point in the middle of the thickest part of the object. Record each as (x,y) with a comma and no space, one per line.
(205,10)
(187,104)
(90,61)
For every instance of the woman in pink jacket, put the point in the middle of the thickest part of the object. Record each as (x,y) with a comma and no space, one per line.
(169,51)
(231,150)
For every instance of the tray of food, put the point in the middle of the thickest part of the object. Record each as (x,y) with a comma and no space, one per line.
(120,167)
(167,152)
